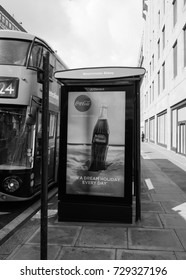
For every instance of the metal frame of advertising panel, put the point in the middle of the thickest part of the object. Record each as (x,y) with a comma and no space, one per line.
(97,147)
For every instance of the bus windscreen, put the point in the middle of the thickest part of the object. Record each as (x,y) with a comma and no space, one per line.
(13,52)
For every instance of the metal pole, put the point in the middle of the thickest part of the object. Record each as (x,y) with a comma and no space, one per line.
(44,177)
(137,156)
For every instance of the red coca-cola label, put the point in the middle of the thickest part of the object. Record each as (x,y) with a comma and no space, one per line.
(82,103)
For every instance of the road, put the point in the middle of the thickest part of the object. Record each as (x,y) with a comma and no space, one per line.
(13,215)
(10,210)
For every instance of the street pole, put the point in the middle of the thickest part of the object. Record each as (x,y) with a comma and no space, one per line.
(44,168)
(137,155)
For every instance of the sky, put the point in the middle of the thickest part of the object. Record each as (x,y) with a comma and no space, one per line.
(85,33)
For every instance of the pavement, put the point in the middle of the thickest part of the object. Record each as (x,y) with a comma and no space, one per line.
(160,235)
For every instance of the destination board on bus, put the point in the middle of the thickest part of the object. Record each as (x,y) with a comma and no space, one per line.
(8,87)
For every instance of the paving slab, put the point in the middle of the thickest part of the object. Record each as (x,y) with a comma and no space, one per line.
(152,207)
(173,206)
(144,255)
(32,252)
(107,237)
(180,255)
(62,235)
(150,220)
(145,197)
(77,253)
(168,196)
(167,187)
(153,239)
(174,173)
(174,220)
(93,224)
(182,236)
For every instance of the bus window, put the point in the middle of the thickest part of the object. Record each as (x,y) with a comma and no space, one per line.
(52,146)
(58,66)
(52,120)
(39,134)
(16,139)
(13,52)
(36,56)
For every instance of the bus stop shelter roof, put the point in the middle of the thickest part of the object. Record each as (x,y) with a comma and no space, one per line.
(100,75)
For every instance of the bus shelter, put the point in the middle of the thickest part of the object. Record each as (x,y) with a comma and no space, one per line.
(99,157)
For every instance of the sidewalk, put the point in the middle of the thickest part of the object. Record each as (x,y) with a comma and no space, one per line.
(161,234)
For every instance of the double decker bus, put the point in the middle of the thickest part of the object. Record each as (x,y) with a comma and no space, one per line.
(21,89)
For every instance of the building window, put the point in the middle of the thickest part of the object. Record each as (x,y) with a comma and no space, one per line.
(153,63)
(152,91)
(162,129)
(159,20)
(181,130)
(153,37)
(163,37)
(146,100)
(174,3)
(175,60)
(159,49)
(184,38)
(159,83)
(152,129)
(174,130)
(146,129)
(163,75)
(164,6)
(178,128)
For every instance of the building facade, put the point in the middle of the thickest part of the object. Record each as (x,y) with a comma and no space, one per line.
(8,22)
(163,90)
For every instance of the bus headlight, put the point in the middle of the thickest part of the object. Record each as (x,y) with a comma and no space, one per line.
(11,184)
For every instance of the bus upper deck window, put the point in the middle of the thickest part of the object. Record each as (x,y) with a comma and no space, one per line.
(35,59)
(13,52)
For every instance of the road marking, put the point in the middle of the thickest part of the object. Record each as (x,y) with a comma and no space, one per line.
(149,184)
(181,210)
(144,156)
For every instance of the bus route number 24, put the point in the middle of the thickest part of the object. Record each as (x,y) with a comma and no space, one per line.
(7,89)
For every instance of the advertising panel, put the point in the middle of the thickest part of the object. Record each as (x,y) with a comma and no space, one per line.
(96,142)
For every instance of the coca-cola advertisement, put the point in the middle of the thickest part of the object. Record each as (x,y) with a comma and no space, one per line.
(96,143)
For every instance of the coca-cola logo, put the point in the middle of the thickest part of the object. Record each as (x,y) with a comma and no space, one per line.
(82,103)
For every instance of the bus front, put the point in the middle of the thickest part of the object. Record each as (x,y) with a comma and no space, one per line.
(17,121)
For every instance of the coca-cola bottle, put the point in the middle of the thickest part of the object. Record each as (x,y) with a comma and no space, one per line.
(100,141)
